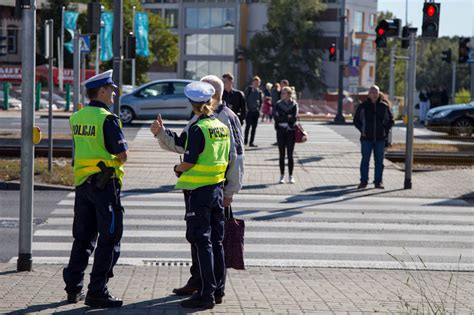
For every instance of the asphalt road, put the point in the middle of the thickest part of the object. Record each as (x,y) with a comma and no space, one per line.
(44,203)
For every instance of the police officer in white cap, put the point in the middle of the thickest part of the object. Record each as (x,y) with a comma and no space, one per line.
(202,175)
(99,155)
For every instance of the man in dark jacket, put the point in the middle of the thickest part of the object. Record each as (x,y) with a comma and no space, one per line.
(373,119)
(234,98)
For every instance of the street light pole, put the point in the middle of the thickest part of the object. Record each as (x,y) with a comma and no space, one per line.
(118,58)
(28,60)
(133,59)
(410,107)
(61,53)
(339,117)
(76,70)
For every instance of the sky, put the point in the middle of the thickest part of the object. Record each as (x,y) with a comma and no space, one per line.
(457,16)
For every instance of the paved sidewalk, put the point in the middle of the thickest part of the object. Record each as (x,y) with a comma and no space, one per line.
(146,290)
(328,164)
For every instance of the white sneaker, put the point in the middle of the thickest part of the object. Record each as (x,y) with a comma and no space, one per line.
(291,180)
(282,179)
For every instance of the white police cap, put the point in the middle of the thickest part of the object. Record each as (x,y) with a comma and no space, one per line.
(99,80)
(199,92)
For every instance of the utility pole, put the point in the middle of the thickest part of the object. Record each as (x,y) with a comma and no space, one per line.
(28,60)
(391,85)
(453,82)
(76,70)
(49,55)
(342,16)
(97,52)
(61,53)
(83,77)
(118,57)
(133,59)
(410,107)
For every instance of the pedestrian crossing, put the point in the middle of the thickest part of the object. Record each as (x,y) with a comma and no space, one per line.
(302,231)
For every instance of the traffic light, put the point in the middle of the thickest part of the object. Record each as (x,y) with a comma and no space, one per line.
(93,17)
(463,50)
(130,46)
(387,28)
(3,46)
(332,52)
(430,27)
(447,55)
(405,40)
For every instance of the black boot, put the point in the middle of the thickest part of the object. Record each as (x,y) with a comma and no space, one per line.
(102,301)
(74,297)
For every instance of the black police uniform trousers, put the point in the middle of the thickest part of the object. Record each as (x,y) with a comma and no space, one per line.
(95,212)
(205,232)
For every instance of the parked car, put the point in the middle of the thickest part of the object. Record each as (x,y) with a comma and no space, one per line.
(164,97)
(457,120)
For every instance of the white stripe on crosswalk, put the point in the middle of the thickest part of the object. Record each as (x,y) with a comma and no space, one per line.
(281,248)
(290,235)
(289,206)
(291,199)
(293,224)
(307,214)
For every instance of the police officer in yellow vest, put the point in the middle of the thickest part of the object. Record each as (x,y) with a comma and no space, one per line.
(100,152)
(202,174)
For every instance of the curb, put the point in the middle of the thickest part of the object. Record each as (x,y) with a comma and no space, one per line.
(15,185)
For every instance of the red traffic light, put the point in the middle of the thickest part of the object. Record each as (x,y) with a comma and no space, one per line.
(431,10)
(332,50)
(380,31)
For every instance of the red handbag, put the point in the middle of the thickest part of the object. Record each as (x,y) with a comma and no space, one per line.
(234,230)
(300,134)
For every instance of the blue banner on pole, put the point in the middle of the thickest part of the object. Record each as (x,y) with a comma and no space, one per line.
(106,48)
(70,21)
(141,32)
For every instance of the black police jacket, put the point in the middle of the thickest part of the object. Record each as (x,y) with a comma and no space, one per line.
(374,121)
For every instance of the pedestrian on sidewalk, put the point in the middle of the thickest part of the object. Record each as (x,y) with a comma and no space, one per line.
(234,98)
(171,141)
(286,115)
(254,99)
(202,175)
(99,155)
(373,119)
(424,105)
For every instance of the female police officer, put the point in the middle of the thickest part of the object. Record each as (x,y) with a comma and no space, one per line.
(100,151)
(202,174)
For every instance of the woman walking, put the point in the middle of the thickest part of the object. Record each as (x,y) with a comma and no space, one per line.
(285,115)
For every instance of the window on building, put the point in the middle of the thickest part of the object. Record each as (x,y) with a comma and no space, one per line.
(196,69)
(171,17)
(358,21)
(12,39)
(210,44)
(373,20)
(206,18)
(372,72)
(157,12)
(356,44)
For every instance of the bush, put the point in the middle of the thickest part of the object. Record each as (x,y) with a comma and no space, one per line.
(462,96)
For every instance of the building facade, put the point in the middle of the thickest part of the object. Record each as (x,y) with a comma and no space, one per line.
(210,31)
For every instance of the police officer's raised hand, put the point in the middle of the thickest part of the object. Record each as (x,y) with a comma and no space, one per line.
(157,126)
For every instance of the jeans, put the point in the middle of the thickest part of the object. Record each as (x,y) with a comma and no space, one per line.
(286,140)
(367,147)
(251,121)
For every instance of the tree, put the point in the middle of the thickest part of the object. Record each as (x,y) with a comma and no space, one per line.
(162,43)
(431,72)
(382,76)
(287,49)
